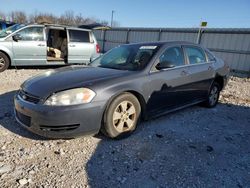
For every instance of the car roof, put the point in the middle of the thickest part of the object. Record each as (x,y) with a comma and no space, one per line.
(58,25)
(161,43)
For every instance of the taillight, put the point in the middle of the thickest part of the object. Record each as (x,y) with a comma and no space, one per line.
(97,48)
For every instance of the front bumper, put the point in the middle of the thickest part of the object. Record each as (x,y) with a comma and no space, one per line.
(59,122)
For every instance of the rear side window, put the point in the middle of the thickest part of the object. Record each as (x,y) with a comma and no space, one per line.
(79,36)
(173,55)
(195,55)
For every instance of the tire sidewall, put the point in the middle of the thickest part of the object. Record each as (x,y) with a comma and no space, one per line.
(208,100)
(109,129)
(6,60)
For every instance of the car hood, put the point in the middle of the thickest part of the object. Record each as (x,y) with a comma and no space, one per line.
(50,82)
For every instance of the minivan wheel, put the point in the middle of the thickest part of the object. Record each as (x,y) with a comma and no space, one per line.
(4,62)
(121,116)
(213,96)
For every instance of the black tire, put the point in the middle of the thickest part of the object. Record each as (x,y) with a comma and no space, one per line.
(213,96)
(4,62)
(111,126)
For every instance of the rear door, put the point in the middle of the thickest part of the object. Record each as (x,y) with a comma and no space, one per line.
(31,48)
(80,46)
(201,71)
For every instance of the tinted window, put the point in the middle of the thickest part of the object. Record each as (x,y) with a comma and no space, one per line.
(173,55)
(31,34)
(127,57)
(78,36)
(195,55)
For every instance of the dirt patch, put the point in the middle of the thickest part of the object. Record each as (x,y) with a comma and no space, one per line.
(195,147)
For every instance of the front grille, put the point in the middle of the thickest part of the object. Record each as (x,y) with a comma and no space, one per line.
(28,97)
(25,120)
(59,128)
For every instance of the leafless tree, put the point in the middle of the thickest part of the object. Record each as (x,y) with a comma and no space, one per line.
(18,16)
(43,18)
(67,18)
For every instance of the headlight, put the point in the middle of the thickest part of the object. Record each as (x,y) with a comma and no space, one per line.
(71,97)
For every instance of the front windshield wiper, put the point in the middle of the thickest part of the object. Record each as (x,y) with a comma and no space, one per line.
(112,67)
(108,67)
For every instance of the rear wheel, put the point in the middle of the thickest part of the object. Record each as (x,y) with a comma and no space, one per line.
(213,96)
(121,117)
(4,62)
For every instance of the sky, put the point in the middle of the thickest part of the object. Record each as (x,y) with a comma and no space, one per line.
(145,13)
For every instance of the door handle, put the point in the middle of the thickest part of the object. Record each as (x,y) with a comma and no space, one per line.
(41,45)
(72,45)
(184,73)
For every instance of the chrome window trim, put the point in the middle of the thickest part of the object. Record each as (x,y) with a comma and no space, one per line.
(183,66)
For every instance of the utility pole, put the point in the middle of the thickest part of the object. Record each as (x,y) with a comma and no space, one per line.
(112,16)
(202,26)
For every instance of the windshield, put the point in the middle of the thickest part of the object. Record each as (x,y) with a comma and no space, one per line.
(11,29)
(128,57)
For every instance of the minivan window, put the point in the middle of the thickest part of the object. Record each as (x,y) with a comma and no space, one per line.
(195,55)
(31,34)
(173,55)
(78,36)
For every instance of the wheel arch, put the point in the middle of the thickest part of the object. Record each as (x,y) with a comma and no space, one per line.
(139,97)
(8,56)
(220,80)
(141,100)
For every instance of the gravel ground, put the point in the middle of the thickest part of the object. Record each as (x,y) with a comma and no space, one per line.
(194,147)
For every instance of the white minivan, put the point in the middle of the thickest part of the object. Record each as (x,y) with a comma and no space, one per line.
(46,44)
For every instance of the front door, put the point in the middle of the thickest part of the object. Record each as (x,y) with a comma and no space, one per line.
(30,48)
(80,47)
(173,83)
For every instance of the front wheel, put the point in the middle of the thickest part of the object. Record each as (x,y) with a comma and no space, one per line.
(213,96)
(4,62)
(121,116)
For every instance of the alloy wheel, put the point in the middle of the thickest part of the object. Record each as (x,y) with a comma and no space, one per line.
(2,62)
(124,116)
(213,97)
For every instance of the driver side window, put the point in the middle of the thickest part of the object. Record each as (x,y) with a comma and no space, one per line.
(173,55)
(31,34)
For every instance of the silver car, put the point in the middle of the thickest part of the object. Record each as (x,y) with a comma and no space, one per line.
(40,44)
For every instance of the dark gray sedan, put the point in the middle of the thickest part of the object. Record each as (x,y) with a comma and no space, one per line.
(128,83)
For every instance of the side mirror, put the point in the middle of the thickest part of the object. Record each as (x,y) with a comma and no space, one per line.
(16,37)
(164,65)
